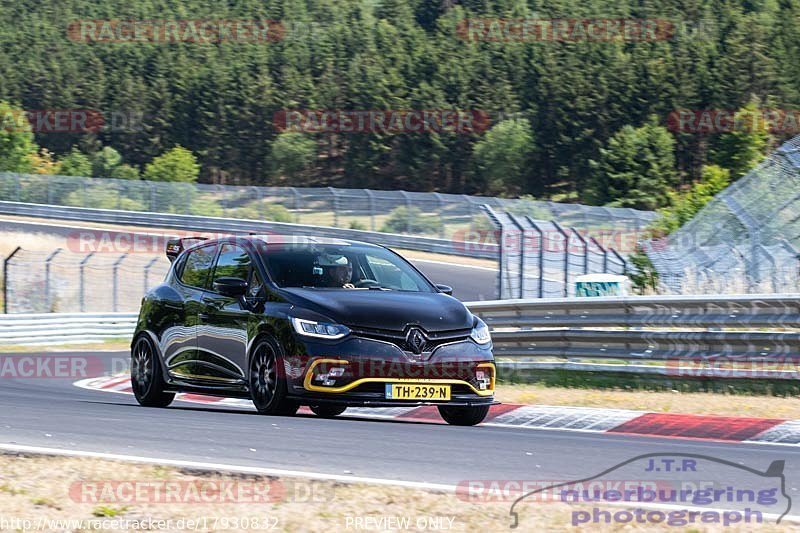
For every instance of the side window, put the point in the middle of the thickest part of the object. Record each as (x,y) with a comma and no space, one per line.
(256,287)
(197,267)
(233,262)
(389,275)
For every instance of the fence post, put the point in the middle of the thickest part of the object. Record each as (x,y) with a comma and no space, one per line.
(441,214)
(566,256)
(500,256)
(47,298)
(81,300)
(115,277)
(5,277)
(603,251)
(585,250)
(371,197)
(147,273)
(335,204)
(296,204)
(541,254)
(521,229)
(408,210)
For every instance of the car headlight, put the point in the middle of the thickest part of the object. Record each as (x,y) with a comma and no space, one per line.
(322,330)
(480,333)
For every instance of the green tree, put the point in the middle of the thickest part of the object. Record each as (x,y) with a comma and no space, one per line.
(743,148)
(292,154)
(17,146)
(502,155)
(76,163)
(636,169)
(178,164)
(685,205)
(105,161)
(125,172)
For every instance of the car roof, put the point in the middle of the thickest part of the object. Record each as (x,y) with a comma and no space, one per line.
(278,239)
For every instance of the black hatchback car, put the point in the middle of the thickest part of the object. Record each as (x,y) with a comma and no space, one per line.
(290,321)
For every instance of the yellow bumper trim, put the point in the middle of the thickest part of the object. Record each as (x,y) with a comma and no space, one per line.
(336,390)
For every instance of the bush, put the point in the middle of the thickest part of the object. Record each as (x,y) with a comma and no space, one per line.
(271,212)
(357,225)
(103,197)
(410,220)
(178,164)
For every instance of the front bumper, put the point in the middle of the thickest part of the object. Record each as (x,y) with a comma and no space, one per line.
(356,371)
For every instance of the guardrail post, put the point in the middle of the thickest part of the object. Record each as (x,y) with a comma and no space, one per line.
(5,277)
(81,298)
(147,273)
(115,277)
(47,298)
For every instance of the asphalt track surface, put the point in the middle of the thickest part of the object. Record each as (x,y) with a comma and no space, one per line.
(470,283)
(54,413)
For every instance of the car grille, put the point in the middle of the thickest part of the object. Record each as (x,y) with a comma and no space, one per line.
(398,338)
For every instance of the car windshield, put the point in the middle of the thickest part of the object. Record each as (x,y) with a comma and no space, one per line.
(348,266)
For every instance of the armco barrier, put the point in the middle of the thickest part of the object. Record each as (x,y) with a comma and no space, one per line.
(681,336)
(749,336)
(65,328)
(242,226)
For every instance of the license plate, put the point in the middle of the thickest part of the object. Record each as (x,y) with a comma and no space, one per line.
(417,391)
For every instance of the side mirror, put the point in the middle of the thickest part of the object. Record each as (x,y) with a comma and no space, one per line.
(446,289)
(227,286)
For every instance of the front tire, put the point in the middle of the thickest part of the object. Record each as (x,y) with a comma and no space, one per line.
(267,380)
(327,411)
(463,416)
(147,380)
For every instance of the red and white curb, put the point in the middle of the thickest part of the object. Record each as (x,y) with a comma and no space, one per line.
(582,419)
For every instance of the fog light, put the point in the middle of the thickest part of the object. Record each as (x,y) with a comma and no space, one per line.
(329,379)
(483,378)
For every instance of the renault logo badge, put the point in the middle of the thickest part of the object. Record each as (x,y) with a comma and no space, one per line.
(415,340)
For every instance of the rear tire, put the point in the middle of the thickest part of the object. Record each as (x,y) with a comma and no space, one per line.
(147,380)
(463,416)
(267,380)
(327,411)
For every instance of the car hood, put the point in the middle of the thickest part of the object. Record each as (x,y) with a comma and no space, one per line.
(392,310)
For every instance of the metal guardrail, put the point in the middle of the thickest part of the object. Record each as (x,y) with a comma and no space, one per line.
(243,226)
(678,336)
(64,328)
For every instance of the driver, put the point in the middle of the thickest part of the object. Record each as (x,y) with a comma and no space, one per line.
(338,270)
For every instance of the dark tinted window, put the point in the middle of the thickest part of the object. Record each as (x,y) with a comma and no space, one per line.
(233,262)
(197,267)
(341,266)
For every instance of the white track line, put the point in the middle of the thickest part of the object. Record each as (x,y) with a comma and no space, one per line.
(255,470)
(222,467)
